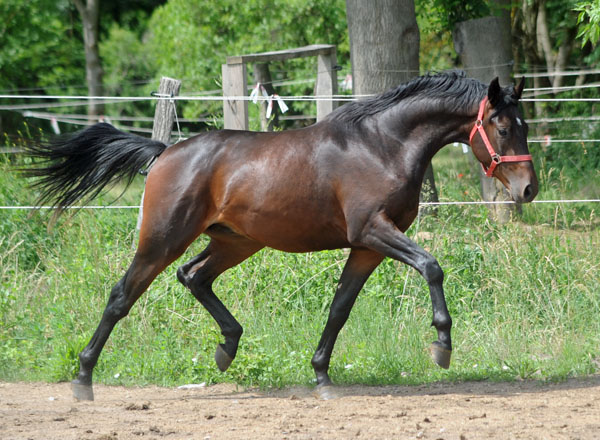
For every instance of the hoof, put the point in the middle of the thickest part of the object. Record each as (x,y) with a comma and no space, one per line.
(440,355)
(82,392)
(222,359)
(325,392)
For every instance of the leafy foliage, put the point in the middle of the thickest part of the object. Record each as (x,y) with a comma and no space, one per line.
(561,20)
(39,45)
(128,75)
(588,21)
(446,13)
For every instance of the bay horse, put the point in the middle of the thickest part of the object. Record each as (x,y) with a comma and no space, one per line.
(351,181)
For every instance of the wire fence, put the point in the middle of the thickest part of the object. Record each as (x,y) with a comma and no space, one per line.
(82,100)
(447,203)
(82,119)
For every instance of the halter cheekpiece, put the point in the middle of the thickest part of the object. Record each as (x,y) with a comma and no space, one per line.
(496,158)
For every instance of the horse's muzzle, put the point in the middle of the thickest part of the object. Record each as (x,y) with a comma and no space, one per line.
(524,190)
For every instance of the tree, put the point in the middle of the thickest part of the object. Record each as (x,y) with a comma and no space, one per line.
(37,44)
(384,44)
(484,47)
(90,16)
(481,32)
(39,54)
(546,31)
(554,53)
(384,51)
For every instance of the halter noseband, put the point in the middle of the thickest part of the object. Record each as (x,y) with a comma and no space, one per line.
(496,158)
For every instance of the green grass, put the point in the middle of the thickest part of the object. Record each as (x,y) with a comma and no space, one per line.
(524,298)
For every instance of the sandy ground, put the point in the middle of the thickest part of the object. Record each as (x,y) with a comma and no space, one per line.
(476,410)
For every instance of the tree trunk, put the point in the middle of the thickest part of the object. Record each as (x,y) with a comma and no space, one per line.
(484,47)
(90,15)
(539,44)
(555,61)
(384,43)
(384,51)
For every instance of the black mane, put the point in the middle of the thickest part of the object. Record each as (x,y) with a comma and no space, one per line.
(452,85)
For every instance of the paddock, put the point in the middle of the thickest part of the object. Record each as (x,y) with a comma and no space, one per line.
(468,410)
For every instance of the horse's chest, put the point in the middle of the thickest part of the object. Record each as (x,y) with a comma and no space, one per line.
(402,210)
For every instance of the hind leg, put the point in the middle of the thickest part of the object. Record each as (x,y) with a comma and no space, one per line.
(157,249)
(122,297)
(150,260)
(198,275)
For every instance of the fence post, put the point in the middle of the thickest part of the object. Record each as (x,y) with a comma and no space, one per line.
(326,83)
(262,75)
(235,113)
(164,115)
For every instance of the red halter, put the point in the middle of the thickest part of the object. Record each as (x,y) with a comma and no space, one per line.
(496,158)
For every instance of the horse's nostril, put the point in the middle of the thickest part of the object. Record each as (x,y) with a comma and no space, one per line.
(527,192)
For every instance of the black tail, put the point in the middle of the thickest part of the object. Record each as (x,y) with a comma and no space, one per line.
(79,166)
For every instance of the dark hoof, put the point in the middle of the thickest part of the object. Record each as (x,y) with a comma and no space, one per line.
(82,392)
(440,355)
(222,359)
(325,392)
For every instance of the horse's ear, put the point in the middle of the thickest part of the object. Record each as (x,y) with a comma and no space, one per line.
(519,89)
(494,92)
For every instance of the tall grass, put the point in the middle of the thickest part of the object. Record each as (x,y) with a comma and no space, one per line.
(524,297)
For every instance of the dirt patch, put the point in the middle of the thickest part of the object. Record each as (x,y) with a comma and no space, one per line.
(480,410)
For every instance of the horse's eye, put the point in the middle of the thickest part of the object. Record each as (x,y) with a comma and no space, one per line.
(502,131)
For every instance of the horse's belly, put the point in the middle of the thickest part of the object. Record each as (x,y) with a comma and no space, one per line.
(291,230)
(302,241)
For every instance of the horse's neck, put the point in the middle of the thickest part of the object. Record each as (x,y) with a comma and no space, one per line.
(422,129)
(410,134)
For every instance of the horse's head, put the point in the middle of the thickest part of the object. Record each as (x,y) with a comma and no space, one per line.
(499,141)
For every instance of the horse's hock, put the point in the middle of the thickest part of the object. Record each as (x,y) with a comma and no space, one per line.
(235,84)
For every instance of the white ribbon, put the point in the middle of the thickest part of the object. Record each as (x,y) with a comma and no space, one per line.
(254,93)
(54,125)
(255,90)
(264,92)
(269,106)
(282,105)
(269,99)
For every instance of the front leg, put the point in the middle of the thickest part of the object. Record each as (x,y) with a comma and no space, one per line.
(361,263)
(381,234)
